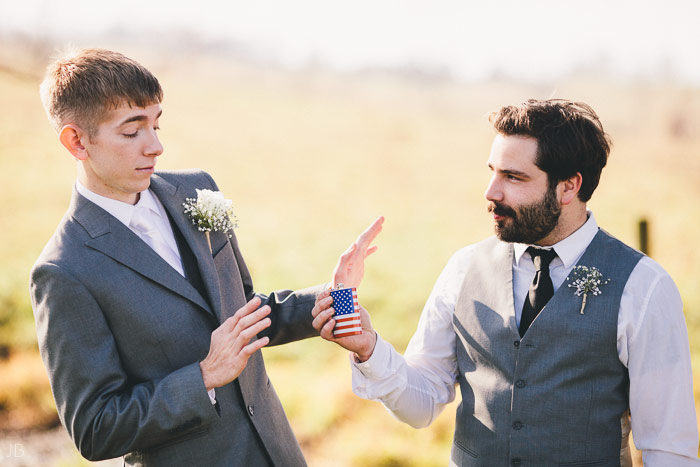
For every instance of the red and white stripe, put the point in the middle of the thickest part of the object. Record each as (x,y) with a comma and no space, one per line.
(349,324)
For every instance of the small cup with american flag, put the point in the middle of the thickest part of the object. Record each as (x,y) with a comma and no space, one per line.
(347,312)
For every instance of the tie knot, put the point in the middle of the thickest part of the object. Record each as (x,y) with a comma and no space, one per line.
(541,257)
(141,220)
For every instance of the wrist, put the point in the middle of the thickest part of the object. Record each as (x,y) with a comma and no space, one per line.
(205,376)
(363,356)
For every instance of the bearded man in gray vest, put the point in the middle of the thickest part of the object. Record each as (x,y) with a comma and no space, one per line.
(554,330)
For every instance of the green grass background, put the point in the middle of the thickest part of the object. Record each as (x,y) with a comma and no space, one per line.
(311,158)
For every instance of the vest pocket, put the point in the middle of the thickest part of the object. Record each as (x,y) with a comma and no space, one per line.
(584,463)
(465,449)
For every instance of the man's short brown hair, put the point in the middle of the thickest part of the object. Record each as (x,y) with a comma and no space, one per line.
(82,87)
(570,138)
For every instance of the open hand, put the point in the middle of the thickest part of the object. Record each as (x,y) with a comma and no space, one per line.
(231,345)
(351,265)
(361,344)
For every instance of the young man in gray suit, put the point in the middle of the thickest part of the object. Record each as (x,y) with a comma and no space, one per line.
(554,330)
(150,329)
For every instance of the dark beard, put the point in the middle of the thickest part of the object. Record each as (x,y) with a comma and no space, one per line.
(530,223)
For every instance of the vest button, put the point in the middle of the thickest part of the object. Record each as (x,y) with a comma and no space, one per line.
(251,410)
(517,425)
(516,344)
(520,383)
(515,462)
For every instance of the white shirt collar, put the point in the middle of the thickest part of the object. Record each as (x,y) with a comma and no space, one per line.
(570,249)
(119,209)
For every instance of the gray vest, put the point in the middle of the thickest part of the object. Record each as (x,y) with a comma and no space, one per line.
(556,396)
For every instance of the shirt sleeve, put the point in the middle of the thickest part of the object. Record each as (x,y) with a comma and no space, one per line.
(653,344)
(417,386)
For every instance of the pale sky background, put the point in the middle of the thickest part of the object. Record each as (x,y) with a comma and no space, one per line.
(531,40)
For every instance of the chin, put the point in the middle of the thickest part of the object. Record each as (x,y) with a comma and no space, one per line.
(142,186)
(500,225)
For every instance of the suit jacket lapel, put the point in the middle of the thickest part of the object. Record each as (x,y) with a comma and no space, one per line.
(172,197)
(114,239)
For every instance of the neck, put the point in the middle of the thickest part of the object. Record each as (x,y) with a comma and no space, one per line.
(90,181)
(569,222)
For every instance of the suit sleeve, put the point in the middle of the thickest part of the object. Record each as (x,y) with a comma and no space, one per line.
(291,310)
(105,412)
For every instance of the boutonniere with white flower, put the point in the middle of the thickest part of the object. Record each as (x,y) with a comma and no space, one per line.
(586,281)
(211,211)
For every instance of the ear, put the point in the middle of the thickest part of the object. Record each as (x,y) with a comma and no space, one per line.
(71,138)
(569,188)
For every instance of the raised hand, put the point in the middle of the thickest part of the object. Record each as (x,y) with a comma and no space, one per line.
(230,346)
(351,265)
(361,344)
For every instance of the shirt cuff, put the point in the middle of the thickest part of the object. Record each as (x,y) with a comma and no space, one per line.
(377,365)
(212,396)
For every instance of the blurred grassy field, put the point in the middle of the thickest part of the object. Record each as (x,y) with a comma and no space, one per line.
(310,159)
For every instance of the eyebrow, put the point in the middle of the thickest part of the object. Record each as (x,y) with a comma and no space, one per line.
(510,172)
(514,172)
(139,118)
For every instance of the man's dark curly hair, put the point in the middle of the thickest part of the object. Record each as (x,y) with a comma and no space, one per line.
(570,138)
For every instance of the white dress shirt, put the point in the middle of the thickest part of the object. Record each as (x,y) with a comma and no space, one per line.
(652,342)
(125,211)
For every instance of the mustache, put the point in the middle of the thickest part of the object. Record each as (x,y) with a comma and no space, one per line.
(501,209)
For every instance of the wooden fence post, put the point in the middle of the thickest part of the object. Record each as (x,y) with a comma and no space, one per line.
(644,236)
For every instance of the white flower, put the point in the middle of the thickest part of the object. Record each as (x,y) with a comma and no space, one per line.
(586,280)
(211,211)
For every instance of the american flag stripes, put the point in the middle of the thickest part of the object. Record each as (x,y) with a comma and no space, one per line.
(347,312)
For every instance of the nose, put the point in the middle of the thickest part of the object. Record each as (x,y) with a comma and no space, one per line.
(153,148)
(493,191)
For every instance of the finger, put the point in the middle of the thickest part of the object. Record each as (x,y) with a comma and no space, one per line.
(370,233)
(253,318)
(253,303)
(248,308)
(250,332)
(321,306)
(322,318)
(244,338)
(327,330)
(371,250)
(325,293)
(254,346)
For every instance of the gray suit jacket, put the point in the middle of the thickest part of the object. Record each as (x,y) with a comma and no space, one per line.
(121,334)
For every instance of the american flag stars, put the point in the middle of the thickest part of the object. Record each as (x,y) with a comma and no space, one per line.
(347,315)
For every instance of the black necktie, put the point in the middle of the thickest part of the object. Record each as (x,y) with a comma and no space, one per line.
(541,289)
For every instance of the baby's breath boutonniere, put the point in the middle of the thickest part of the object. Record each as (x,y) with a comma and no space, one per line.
(211,211)
(586,280)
